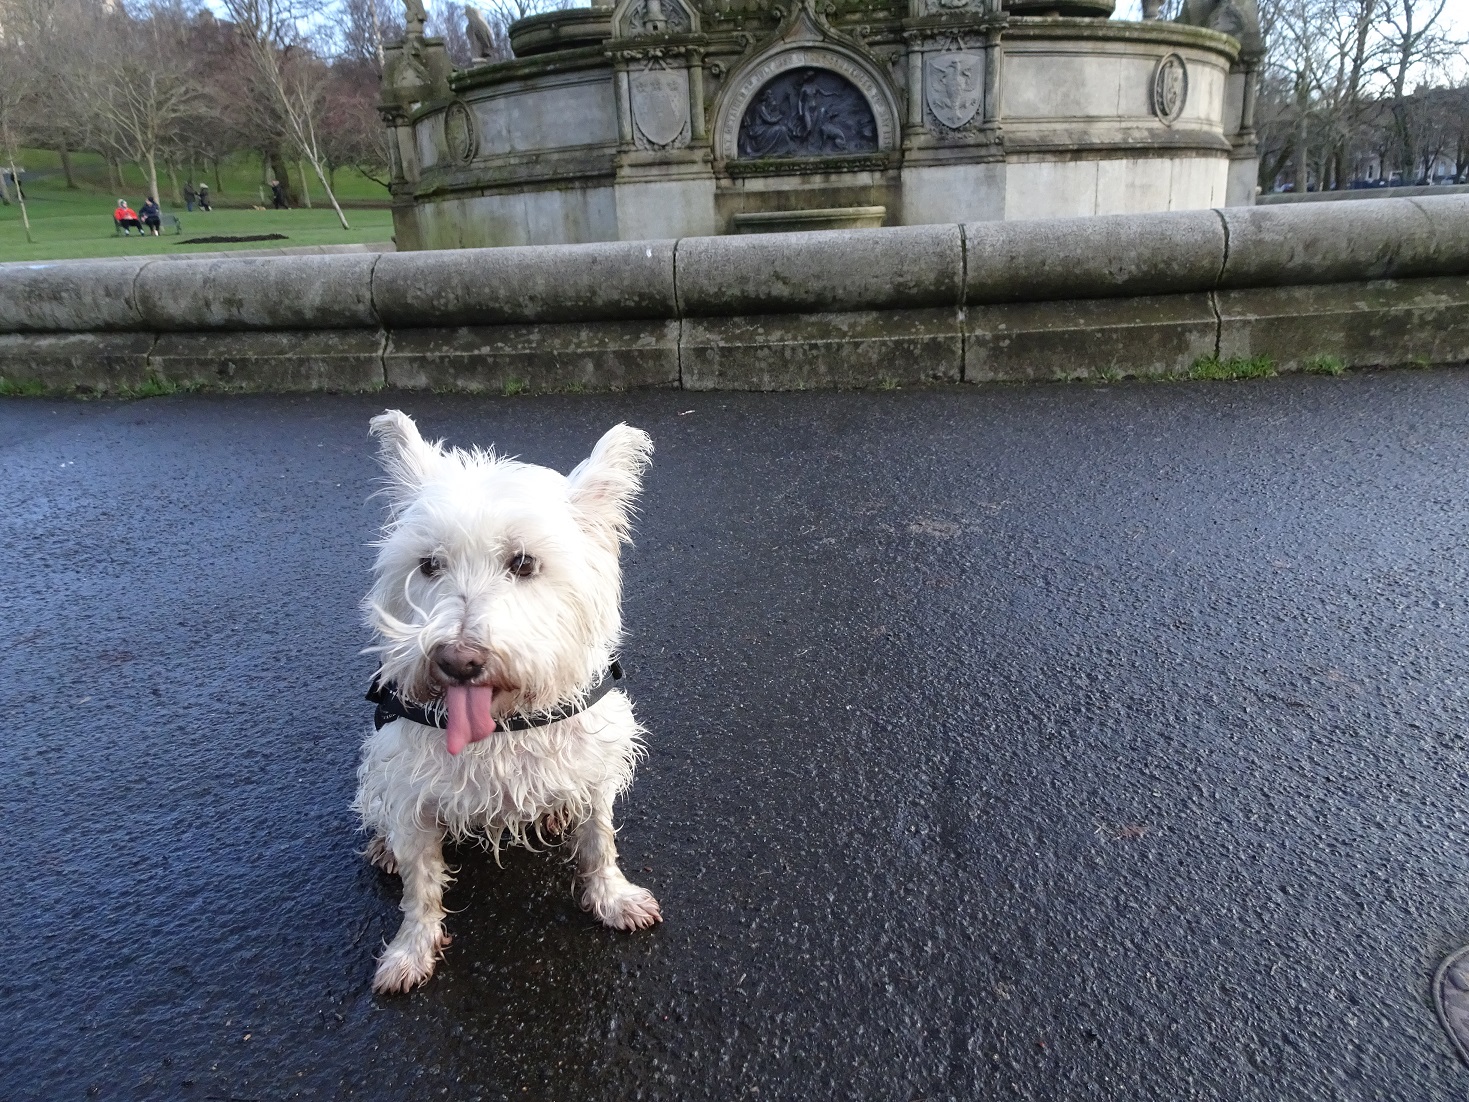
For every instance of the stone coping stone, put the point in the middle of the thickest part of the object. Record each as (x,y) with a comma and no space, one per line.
(1098,257)
(69,296)
(289,292)
(905,267)
(605,281)
(1346,242)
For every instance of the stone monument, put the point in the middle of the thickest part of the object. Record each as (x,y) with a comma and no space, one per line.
(670,118)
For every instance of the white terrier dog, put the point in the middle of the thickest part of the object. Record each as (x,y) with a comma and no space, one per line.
(496,608)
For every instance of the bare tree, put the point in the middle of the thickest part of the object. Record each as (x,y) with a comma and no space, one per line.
(18,88)
(354,134)
(45,30)
(365,26)
(1415,40)
(141,81)
(446,21)
(290,72)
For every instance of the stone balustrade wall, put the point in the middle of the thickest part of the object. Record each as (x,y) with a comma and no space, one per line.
(1370,283)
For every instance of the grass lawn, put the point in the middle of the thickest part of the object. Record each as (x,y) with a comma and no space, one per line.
(70,223)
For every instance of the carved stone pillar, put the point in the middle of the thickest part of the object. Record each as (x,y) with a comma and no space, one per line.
(915,81)
(994,54)
(698,127)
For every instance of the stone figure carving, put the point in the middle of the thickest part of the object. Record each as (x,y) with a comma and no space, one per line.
(416,16)
(1237,18)
(660,103)
(460,138)
(658,17)
(808,112)
(955,87)
(481,38)
(1170,88)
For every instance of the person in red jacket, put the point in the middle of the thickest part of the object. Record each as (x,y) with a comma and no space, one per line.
(127,218)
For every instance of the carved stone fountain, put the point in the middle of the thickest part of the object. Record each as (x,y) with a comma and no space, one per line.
(671,118)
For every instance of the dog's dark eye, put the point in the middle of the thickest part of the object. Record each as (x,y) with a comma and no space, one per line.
(522,566)
(430,567)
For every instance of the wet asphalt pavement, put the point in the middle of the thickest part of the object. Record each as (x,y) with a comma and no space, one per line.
(1020,742)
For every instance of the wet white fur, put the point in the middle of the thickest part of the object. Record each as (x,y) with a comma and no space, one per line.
(549,636)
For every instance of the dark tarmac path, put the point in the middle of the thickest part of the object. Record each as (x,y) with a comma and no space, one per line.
(1021,742)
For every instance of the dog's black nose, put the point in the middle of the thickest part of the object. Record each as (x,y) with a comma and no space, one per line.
(460,662)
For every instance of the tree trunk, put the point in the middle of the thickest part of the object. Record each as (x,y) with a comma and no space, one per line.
(20,194)
(1303,172)
(114,176)
(305,188)
(314,152)
(4,190)
(173,179)
(218,187)
(336,206)
(71,181)
(152,173)
(279,172)
(377,36)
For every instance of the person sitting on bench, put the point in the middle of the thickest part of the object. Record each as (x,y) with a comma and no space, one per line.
(152,216)
(125,218)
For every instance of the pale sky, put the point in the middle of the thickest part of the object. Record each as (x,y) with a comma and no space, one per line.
(1456,12)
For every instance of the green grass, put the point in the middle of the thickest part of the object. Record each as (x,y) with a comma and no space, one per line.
(240,182)
(70,223)
(152,387)
(1325,365)
(24,388)
(1236,367)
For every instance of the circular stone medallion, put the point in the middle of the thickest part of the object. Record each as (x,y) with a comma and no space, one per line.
(459,132)
(1170,89)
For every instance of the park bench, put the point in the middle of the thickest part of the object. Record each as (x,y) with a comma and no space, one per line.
(167,223)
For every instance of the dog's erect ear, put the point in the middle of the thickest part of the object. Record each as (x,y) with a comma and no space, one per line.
(605,484)
(405,455)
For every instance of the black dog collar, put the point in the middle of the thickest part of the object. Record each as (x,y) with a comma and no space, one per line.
(391,706)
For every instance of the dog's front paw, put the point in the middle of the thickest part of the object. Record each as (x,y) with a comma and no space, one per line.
(616,902)
(380,854)
(409,960)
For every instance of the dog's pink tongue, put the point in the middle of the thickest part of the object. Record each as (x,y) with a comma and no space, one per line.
(469,718)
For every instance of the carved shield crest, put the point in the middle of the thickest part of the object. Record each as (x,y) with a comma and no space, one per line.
(460,138)
(1170,89)
(660,104)
(955,87)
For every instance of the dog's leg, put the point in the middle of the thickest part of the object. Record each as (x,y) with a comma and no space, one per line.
(605,891)
(409,959)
